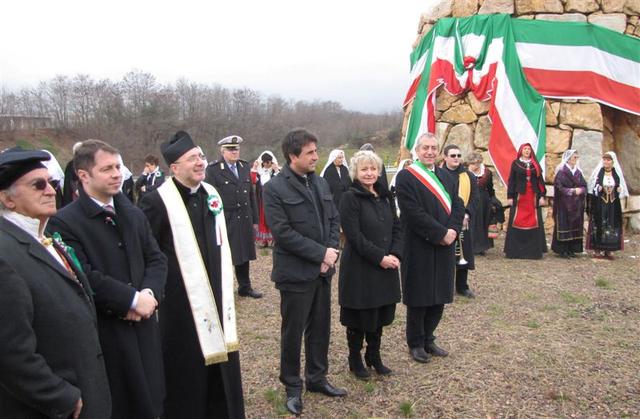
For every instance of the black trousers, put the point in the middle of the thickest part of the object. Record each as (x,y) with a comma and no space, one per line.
(242,274)
(461,280)
(307,313)
(421,323)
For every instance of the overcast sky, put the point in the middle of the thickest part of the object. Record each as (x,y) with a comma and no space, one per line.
(352,51)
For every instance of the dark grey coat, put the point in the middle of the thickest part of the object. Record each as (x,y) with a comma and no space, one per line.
(373,231)
(240,207)
(50,355)
(300,241)
(119,260)
(428,268)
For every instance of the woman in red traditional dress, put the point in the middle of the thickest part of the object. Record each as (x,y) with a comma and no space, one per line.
(526,195)
(264,168)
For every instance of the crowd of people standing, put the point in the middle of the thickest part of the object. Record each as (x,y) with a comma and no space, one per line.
(118,309)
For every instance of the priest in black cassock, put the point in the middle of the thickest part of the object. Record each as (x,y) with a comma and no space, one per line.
(197,317)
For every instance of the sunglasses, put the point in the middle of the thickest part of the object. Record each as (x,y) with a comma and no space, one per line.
(455,155)
(41,184)
(232,148)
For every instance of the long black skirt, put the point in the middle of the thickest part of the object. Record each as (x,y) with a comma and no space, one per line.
(368,319)
(567,246)
(525,243)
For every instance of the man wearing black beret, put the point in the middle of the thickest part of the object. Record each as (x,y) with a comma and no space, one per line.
(50,358)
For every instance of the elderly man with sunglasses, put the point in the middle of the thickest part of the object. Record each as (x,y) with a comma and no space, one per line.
(50,357)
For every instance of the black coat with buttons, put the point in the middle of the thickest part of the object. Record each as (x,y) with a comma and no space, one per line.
(373,231)
(428,267)
(120,256)
(240,207)
(50,355)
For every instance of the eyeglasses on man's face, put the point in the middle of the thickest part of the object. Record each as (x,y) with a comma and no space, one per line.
(194,158)
(455,155)
(41,184)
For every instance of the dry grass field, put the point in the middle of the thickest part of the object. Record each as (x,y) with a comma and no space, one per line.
(548,338)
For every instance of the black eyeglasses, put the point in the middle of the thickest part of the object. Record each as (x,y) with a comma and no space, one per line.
(455,155)
(41,184)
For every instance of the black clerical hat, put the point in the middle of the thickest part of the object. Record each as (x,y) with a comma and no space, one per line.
(179,144)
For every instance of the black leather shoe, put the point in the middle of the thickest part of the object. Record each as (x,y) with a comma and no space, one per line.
(467,293)
(294,405)
(435,350)
(251,293)
(419,355)
(327,389)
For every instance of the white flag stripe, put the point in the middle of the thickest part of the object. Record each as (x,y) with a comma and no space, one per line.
(579,58)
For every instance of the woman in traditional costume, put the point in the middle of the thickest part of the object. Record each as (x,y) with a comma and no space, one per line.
(606,187)
(369,286)
(526,195)
(264,168)
(483,215)
(336,173)
(570,190)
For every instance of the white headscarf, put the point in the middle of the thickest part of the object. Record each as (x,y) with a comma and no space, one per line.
(265,174)
(400,167)
(54,168)
(624,192)
(565,161)
(332,157)
(126,173)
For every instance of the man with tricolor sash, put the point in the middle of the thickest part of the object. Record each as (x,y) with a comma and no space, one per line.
(432,214)
(468,192)
(197,317)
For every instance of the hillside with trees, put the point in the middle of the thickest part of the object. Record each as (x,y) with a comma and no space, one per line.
(137,113)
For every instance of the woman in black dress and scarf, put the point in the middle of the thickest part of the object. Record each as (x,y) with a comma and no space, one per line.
(526,195)
(606,187)
(570,190)
(336,174)
(482,216)
(369,282)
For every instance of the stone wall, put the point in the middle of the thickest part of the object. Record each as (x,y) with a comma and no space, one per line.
(584,125)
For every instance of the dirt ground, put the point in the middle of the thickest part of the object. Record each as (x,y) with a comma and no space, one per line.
(548,338)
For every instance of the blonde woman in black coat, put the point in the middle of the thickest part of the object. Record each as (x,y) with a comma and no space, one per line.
(369,286)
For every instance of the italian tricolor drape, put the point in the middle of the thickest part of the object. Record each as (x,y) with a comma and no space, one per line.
(513,63)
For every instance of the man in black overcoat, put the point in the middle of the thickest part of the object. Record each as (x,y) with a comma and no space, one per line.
(151,177)
(232,178)
(194,390)
(431,214)
(51,363)
(468,192)
(305,225)
(127,271)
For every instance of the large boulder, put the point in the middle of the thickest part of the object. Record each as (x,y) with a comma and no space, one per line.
(496,6)
(552,110)
(614,21)
(478,107)
(611,6)
(462,136)
(589,146)
(463,8)
(568,17)
(442,132)
(580,6)
(444,99)
(538,6)
(627,135)
(558,140)
(482,133)
(460,114)
(632,7)
(551,160)
(581,115)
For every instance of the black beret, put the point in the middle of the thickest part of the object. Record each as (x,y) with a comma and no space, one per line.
(16,162)
(179,144)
